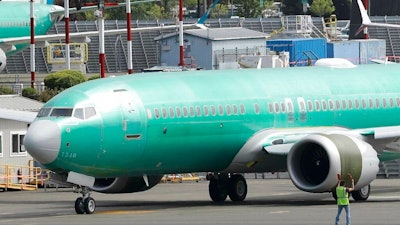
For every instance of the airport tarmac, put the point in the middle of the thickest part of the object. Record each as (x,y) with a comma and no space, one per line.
(269,201)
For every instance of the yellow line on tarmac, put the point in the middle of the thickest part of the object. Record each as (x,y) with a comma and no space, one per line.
(124,212)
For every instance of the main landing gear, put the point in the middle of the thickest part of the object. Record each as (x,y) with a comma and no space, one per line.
(358,195)
(223,185)
(84,204)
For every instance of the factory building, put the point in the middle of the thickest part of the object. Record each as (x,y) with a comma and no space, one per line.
(214,48)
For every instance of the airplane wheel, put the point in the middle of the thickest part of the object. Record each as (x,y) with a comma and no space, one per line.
(237,188)
(79,207)
(90,205)
(217,191)
(362,194)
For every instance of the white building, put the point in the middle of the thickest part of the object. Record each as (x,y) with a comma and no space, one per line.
(16,113)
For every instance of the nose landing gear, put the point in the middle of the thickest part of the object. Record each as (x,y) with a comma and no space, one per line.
(84,204)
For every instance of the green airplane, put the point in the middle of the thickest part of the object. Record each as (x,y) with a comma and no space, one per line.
(122,134)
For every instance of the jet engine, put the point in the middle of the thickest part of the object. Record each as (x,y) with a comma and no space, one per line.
(3,60)
(315,161)
(125,184)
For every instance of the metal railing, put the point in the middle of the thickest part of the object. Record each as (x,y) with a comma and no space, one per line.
(22,177)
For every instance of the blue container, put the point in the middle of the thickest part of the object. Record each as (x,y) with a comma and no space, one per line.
(303,51)
(349,50)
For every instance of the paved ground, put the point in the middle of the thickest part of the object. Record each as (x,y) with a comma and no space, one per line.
(271,201)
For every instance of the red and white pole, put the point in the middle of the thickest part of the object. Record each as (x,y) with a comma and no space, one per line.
(366,6)
(181,49)
(129,36)
(32,23)
(67,49)
(102,56)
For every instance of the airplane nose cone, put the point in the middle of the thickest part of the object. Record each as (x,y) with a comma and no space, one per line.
(43,141)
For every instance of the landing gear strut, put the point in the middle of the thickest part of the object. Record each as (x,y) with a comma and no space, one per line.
(223,185)
(84,204)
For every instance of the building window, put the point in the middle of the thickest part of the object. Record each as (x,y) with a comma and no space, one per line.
(17,144)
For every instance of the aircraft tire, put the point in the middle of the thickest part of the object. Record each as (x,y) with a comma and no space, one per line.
(362,194)
(79,207)
(90,205)
(237,188)
(217,191)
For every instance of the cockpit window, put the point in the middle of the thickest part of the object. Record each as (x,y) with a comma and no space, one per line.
(89,112)
(44,112)
(78,113)
(61,112)
(84,113)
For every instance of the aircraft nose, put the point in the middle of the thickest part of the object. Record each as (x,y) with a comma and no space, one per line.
(43,140)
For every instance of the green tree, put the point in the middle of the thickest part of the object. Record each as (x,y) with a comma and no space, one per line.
(63,79)
(322,7)
(250,8)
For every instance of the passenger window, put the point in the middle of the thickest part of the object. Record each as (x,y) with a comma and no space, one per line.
(344,104)
(242,109)
(391,103)
(213,111)
(317,105)
(256,108)
(350,104)
(164,113)
(157,113)
(310,106)
(78,113)
(324,106)
(185,112)
(205,108)
(235,109)
(171,113)
(276,107)
(221,110)
(357,104)
(178,112)
(330,102)
(283,107)
(198,110)
(191,109)
(228,110)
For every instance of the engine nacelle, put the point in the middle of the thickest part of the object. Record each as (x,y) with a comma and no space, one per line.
(3,60)
(315,161)
(125,184)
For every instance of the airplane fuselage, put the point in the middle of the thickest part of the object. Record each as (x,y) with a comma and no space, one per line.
(15,20)
(199,121)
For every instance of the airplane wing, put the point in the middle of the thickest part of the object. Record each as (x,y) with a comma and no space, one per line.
(289,137)
(22,116)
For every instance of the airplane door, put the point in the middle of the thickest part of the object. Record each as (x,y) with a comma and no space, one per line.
(131,120)
(131,115)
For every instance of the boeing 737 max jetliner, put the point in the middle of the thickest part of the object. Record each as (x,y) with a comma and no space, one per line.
(122,134)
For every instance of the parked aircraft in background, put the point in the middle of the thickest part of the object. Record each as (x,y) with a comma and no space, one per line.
(15,25)
(122,134)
